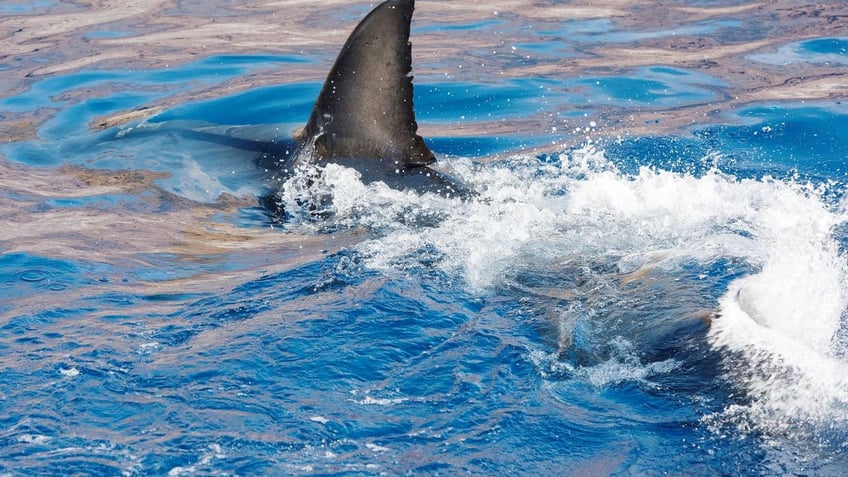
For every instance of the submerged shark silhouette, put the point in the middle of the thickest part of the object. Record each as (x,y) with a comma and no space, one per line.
(364,117)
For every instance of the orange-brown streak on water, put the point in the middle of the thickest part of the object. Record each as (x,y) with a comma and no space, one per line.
(167,33)
(141,237)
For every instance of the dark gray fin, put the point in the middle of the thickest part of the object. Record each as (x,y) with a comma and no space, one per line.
(365,107)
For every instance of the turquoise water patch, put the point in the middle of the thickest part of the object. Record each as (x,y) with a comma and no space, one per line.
(786,139)
(50,92)
(639,90)
(102,202)
(817,51)
(481,146)
(521,98)
(469,102)
(28,8)
(827,46)
(657,86)
(66,137)
(278,104)
(676,154)
(23,275)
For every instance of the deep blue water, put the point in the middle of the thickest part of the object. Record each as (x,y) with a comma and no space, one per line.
(641,305)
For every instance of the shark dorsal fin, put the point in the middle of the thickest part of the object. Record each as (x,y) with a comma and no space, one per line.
(365,107)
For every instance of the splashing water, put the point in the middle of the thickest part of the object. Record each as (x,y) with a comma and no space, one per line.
(581,314)
(782,329)
(778,326)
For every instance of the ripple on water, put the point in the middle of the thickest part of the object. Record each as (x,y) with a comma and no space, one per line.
(32,275)
(580,349)
(24,272)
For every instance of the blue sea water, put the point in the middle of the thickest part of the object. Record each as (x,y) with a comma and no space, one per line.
(634,305)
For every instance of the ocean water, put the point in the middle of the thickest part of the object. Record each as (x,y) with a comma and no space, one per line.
(651,280)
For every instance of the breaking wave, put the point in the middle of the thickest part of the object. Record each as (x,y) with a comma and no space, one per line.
(779,326)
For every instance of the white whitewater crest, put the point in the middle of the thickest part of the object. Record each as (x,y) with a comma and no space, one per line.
(779,328)
(782,331)
(623,365)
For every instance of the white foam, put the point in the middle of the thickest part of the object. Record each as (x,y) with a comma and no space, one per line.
(780,328)
(69,372)
(537,217)
(581,206)
(372,401)
(33,439)
(529,212)
(214,452)
(623,366)
(376,448)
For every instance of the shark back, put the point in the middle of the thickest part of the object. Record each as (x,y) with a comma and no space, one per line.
(365,108)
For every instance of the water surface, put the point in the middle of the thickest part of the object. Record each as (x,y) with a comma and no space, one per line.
(651,279)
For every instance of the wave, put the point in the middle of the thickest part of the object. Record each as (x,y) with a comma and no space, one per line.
(779,320)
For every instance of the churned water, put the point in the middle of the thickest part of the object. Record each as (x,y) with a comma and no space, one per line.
(651,279)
